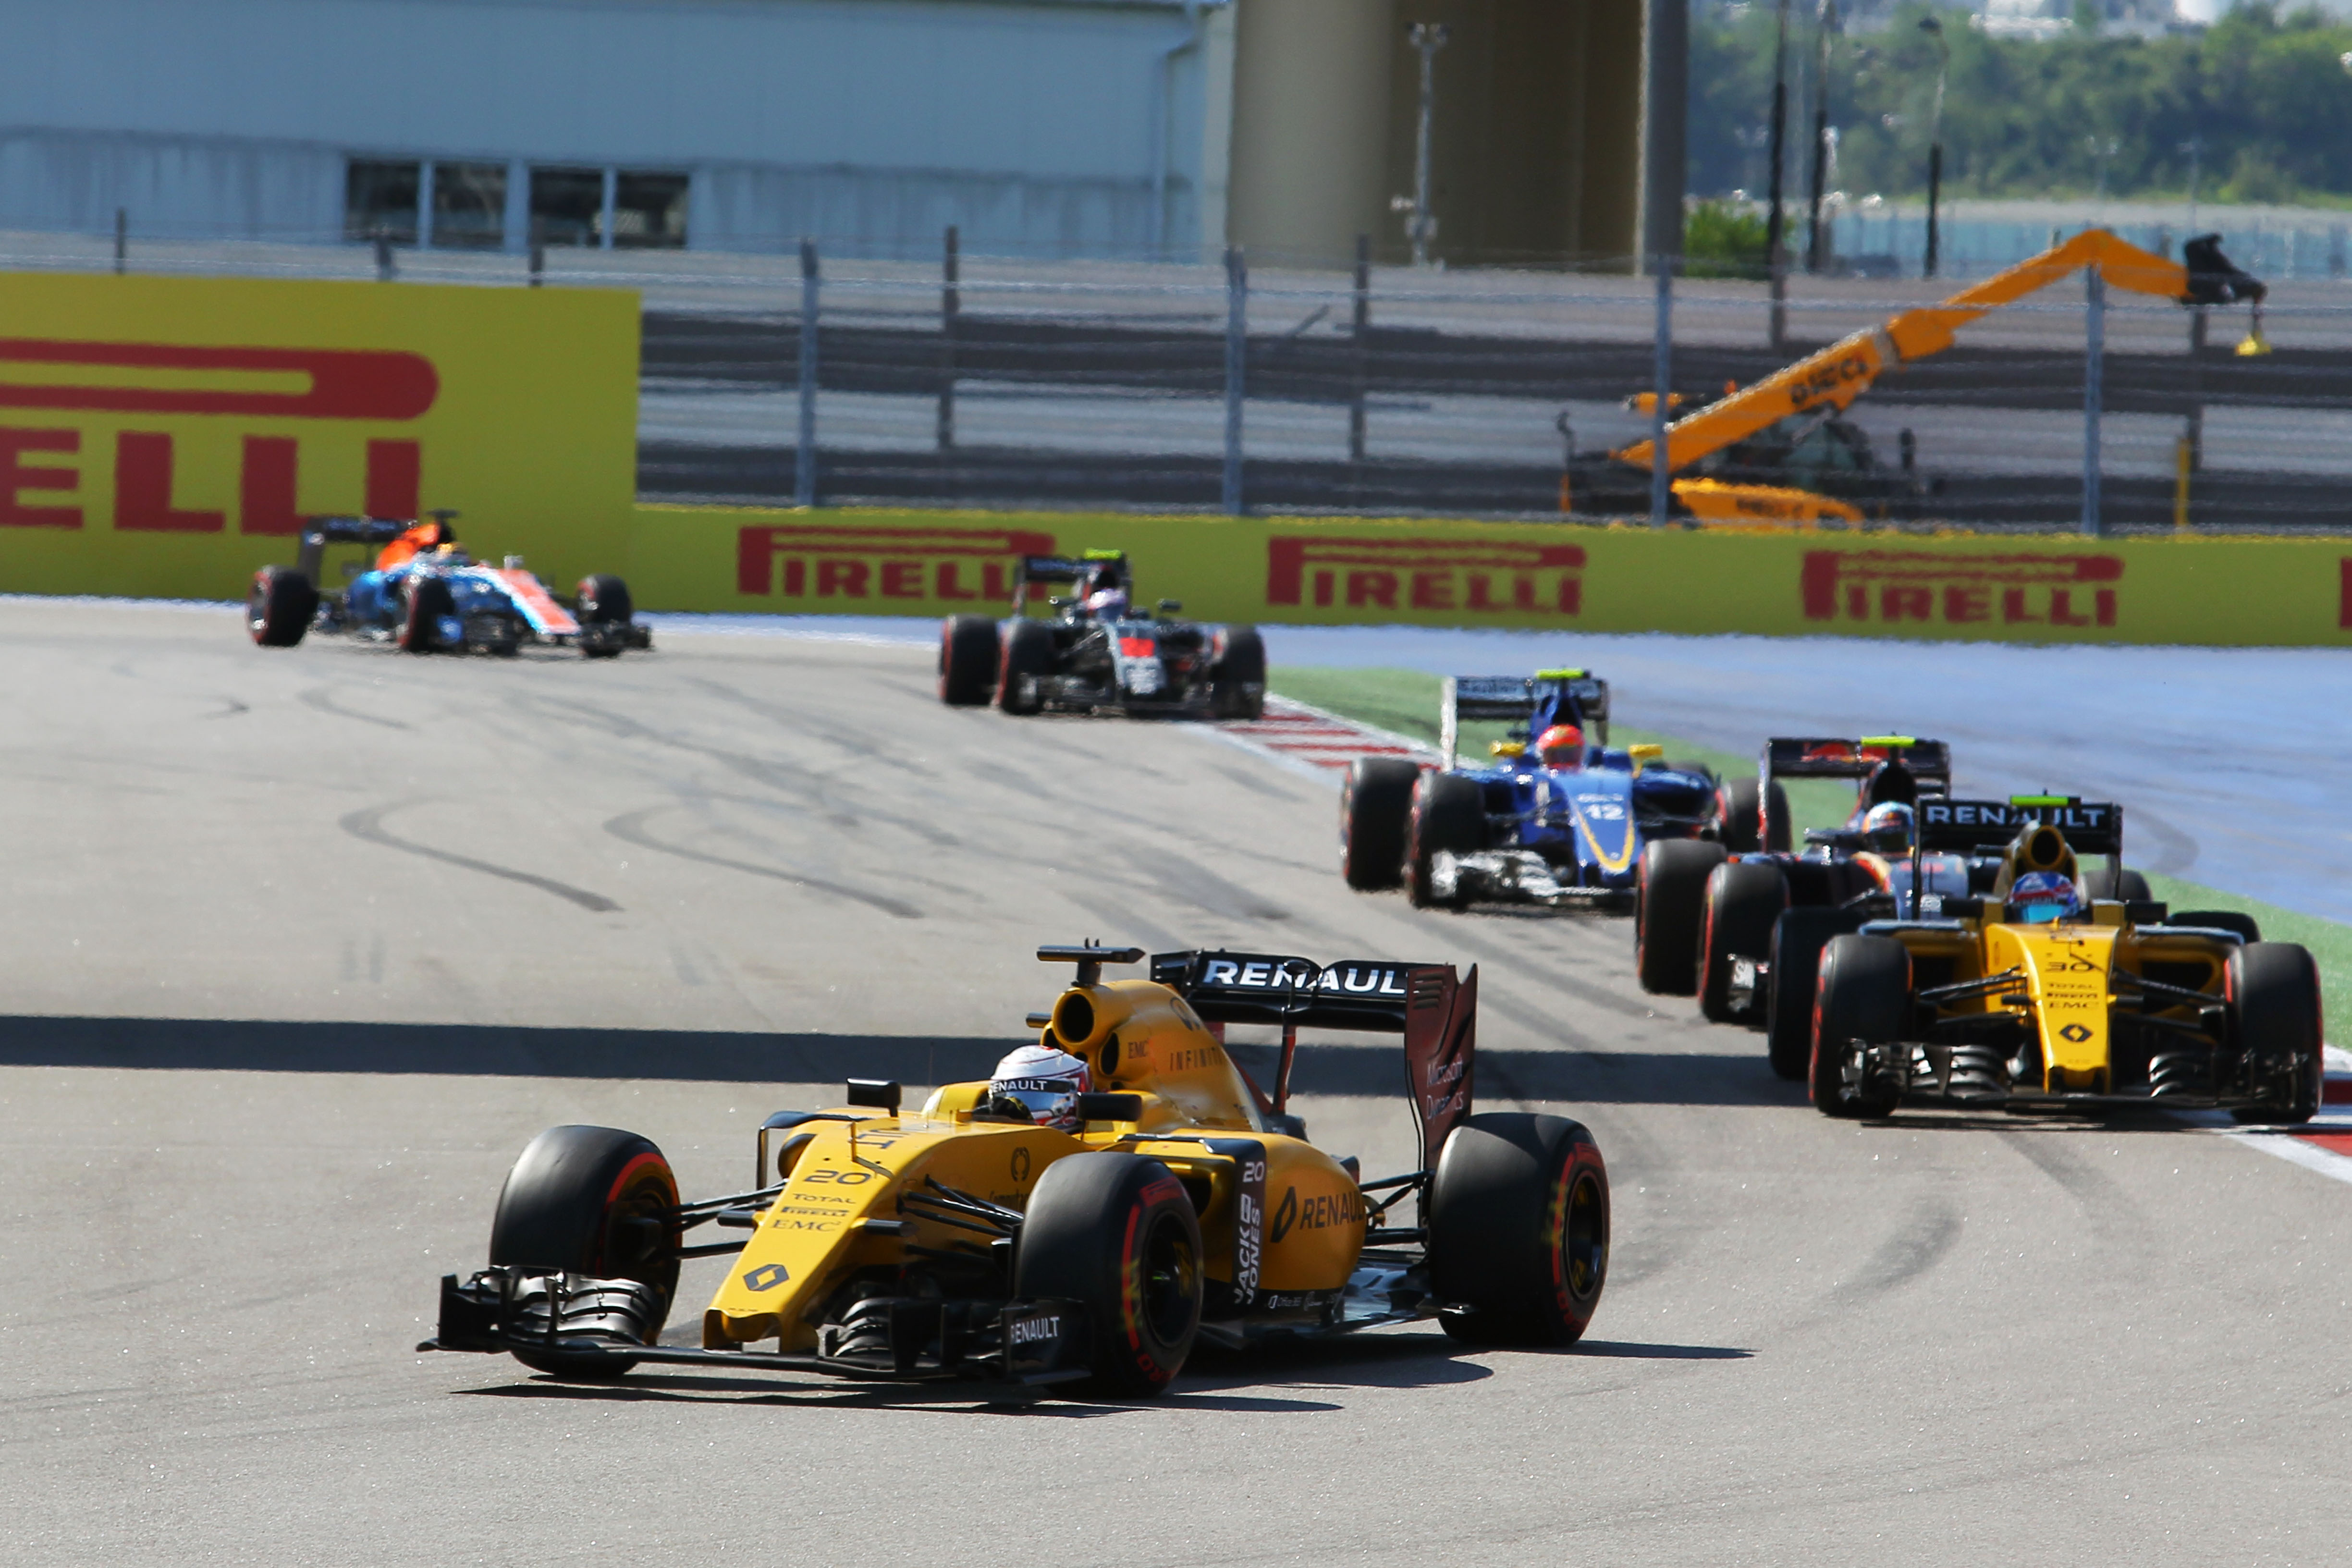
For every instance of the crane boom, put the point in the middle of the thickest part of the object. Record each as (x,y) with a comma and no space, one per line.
(1836,375)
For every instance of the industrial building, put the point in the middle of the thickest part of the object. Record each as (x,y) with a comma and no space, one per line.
(1042,128)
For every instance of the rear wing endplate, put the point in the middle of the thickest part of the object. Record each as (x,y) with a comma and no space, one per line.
(1514,699)
(2091,826)
(1435,1011)
(1792,757)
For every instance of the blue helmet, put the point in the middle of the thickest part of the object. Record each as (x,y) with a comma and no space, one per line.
(2040,897)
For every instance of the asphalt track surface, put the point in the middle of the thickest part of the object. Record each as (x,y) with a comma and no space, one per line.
(302,947)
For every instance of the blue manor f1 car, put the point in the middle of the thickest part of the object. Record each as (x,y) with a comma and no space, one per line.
(424,595)
(1560,818)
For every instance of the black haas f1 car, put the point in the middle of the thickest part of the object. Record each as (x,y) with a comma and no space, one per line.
(1100,652)
(1558,818)
(422,594)
(1089,1239)
(2030,997)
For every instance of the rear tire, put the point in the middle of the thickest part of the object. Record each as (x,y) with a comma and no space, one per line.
(967,659)
(1669,889)
(1518,1229)
(1795,957)
(1116,1233)
(429,601)
(1237,684)
(1863,993)
(2273,995)
(1746,828)
(2125,883)
(1742,904)
(279,607)
(1028,651)
(605,601)
(593,1201)
(1375,806)
(1448,813)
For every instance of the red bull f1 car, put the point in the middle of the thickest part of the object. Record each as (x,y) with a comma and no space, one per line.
(1100,652)
(1024,1241)
(423,594)
(1560,823)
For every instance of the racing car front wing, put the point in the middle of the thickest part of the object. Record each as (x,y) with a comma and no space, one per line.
(601,1324)
(1932,1076)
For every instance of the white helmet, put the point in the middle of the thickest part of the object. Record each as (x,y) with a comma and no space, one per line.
(1041,1083)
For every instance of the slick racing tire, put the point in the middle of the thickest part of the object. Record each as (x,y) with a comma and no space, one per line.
(1794,961)
(1742,904)
(279,607)
(1518,1230)
(1744,827)
(1237,684)
(2246,926)
(2272,989)
(966,660)
(1375,806)
(1448,813)
(1117,1234)
(1863,993)
(1028,651)
(1669,889)
(2113,882)
(595,1201)
(605,601)
(429,601)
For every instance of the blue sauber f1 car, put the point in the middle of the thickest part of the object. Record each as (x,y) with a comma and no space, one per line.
(1560,819)
(424,595)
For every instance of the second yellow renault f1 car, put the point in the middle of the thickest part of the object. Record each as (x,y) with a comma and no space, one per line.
(2031,998)
(974,1241)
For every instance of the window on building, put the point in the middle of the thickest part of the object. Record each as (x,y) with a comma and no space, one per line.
(469,206)
(380,198)
(649,210)
(567,205)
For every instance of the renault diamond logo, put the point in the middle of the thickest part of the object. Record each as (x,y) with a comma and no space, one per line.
(2075,1032)
(766,1276)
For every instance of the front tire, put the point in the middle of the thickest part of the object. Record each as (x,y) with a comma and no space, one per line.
(1375,808)
(1864,994)
(429,603)
(1669,889)
(605,601)
(1742,904)
(2272,991)
(595,1201)
(1237,684)
(279,605)
(968,657)
(1518,1229)
(1749,818)
(1449,814)
(1117,1234)
(1795,960)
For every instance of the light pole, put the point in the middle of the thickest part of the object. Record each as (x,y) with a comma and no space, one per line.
(1775,264)
(1825,27)
(2195,148)
(1934,29)
(2102,150)
(1420,225)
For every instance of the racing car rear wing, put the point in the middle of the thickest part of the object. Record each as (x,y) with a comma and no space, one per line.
(1046,570)
(1514,699)
(2092,827)
(317,533)
(1435,1011)
(1929,761)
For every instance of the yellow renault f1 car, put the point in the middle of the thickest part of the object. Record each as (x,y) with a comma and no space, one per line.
(969,1241)
(2029,998)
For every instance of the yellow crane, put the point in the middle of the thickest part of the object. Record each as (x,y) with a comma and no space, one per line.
(1826,382)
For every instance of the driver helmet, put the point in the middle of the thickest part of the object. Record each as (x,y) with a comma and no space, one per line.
(1562,746)
(1887,828)
(1041,1084)
(2040,897)
(1108,603)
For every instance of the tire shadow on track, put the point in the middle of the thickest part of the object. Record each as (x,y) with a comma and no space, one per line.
(1590,1077)
(914,1398)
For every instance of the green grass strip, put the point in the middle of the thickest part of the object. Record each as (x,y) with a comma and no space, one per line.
(1406,702)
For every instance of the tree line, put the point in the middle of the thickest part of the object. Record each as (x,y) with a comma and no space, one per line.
(2266,97)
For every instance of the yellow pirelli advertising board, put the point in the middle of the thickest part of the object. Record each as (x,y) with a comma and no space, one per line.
(167,435)
(1624,578)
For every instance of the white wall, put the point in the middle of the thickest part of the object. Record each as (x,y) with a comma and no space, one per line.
(1040,125)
